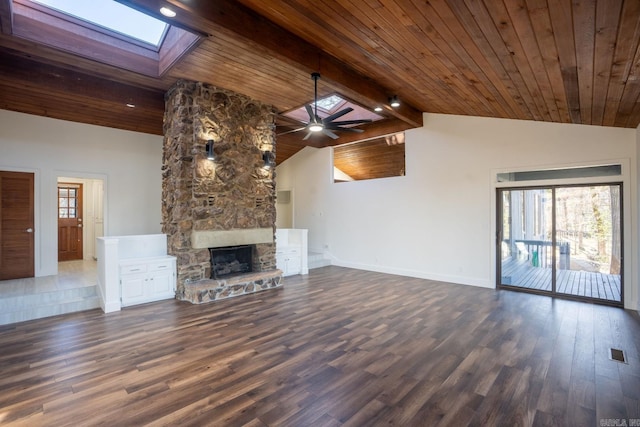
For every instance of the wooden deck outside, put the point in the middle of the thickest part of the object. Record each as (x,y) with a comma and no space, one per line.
(520,273)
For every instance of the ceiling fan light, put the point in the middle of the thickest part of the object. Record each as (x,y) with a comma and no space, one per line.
(315,127)
(167,12)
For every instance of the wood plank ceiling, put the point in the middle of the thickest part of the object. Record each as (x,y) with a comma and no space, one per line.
(556,61)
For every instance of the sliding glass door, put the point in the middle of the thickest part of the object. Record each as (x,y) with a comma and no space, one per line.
(562,240)
(588,225)
(526,245)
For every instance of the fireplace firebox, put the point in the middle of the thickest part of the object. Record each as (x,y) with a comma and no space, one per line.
(231,261)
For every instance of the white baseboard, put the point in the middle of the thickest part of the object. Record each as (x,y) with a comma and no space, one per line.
(461,280)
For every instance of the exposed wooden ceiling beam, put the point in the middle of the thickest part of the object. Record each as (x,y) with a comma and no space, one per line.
(6,16)
(51,77)
(229,16)
(52,86)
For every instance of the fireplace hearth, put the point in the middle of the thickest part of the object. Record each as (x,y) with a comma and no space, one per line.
(231,261)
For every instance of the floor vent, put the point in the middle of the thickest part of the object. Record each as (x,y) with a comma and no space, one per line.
(617,355)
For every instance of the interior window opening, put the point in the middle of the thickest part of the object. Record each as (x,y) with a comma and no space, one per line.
(375,158)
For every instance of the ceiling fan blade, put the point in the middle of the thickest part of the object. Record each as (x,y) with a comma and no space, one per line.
(329,133)
(310,112)
(312,117)
(353,130)
(351,122)
(308,135)
(291,131)
(338,114)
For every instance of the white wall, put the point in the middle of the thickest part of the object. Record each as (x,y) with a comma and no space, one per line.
(438,221)
(635,256)
(284,208)
(129,163)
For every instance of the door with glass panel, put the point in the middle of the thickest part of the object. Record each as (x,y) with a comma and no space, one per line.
(562,240)
(69,221)
(526,244)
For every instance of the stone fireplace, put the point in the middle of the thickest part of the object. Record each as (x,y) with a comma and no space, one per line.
(231,261)
(228,202)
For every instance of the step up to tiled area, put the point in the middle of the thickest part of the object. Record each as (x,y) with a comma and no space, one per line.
(317,260)
(73,289)
(45,304)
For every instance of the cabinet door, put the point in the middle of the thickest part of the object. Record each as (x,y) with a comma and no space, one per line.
(160,283)
(294,265)
(133,288)
(161,280)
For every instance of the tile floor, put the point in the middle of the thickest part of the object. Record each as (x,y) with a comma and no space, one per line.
(72,289)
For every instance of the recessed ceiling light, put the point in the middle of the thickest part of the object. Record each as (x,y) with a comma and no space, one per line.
(167,12)
(130,105)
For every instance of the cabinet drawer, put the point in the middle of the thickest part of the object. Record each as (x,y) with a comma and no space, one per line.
(160,266)
(288,252)
(133,268)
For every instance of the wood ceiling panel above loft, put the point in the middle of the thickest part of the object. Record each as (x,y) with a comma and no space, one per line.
(376,158)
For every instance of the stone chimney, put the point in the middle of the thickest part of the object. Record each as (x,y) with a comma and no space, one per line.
(225,202)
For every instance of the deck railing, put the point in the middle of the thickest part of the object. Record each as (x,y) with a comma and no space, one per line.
(539,252)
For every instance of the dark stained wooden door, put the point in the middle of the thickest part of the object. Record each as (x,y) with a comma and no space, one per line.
(16,225)
(69,221)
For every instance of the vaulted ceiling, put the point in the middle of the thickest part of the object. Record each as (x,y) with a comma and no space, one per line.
(567,61)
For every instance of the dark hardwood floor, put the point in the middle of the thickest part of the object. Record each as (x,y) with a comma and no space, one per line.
(339,347)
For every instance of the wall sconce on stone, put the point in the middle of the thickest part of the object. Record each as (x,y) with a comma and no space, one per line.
(210,154)
(267,158)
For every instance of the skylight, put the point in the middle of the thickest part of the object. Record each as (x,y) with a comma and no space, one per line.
(113,16)
(330,105)
(329,102)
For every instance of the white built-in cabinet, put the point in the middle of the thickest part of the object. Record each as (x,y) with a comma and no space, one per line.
(147,279)
(291,251)
(289,260)
(134,270)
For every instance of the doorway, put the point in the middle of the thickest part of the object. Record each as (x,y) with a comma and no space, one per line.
(16,225)
(92,205)
(69,221)
(562,241)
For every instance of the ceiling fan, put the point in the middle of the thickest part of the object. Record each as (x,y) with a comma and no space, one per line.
(326,125)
